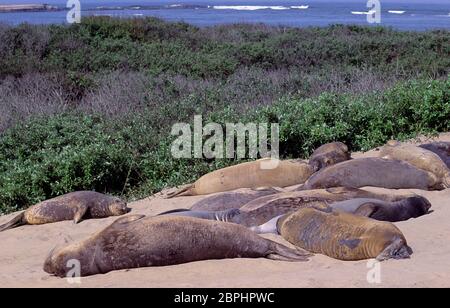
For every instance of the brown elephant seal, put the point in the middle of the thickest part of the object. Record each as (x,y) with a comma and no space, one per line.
(376,172)
(442,149)
(137,241)
(72,206)
(405,209)
(233,199)
(260,173)
(343,236)
(418,157)
(329,154)
(261,210)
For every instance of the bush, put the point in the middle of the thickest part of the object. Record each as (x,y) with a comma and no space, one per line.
(130,156)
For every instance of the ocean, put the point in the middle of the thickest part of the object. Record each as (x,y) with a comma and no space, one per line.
(400,14)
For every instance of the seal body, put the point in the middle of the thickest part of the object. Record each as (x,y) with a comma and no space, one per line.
(418,157)
(138,241)
(442,149)
(72,206)
(261,210)
(225,216)
(329,154)
(232,199)
(376,172)
(343,236)
(254,174)
(405,209)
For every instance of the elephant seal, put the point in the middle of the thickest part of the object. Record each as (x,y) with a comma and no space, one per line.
(263,209)
(442,149)
(138,241)
(225,216)
(418,157)
(376,172)
(233,199)
(341,194)
(260,173)
(76,205)
(343,236)
(405,209)
(329,154)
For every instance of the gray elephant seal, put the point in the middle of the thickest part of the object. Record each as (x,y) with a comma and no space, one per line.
(72,206)
(418,157)
(265,208)
(343,236)
(329,154)
(405,209)
(233,199)
(376,172)
(138,241)
(225,216)
(442,149)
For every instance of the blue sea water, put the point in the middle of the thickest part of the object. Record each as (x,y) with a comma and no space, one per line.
(401,14)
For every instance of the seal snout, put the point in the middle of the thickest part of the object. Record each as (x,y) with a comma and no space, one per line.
(49,264)
(119,208)
(421,204)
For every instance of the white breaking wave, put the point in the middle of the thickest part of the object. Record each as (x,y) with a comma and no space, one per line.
(300,7)
(364,13)
(249,7)
(396,12)
(278,8)
(240,7)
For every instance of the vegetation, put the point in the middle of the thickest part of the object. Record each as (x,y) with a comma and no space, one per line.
(90,106)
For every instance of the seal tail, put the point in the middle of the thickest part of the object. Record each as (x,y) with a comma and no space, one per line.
(17,221)
(180,191)
(282,253)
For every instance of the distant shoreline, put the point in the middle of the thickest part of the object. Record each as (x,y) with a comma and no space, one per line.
(8,8)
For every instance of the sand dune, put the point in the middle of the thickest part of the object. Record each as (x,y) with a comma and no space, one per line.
(24,249)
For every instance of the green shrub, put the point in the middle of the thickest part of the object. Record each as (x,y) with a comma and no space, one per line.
(49,156)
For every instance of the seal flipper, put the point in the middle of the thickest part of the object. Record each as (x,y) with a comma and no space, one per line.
(79,213)
(174,211)
(283,253)
(366,209)
(17,221)
(179,191)
(446,181)
(127,219)
(396,250)
(269,227)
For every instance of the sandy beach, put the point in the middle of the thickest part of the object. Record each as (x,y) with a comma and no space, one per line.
(23,251)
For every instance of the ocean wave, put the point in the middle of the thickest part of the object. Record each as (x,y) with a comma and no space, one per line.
(396,12)
(364,13)
(300,7)
(250,7)
(194,6)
